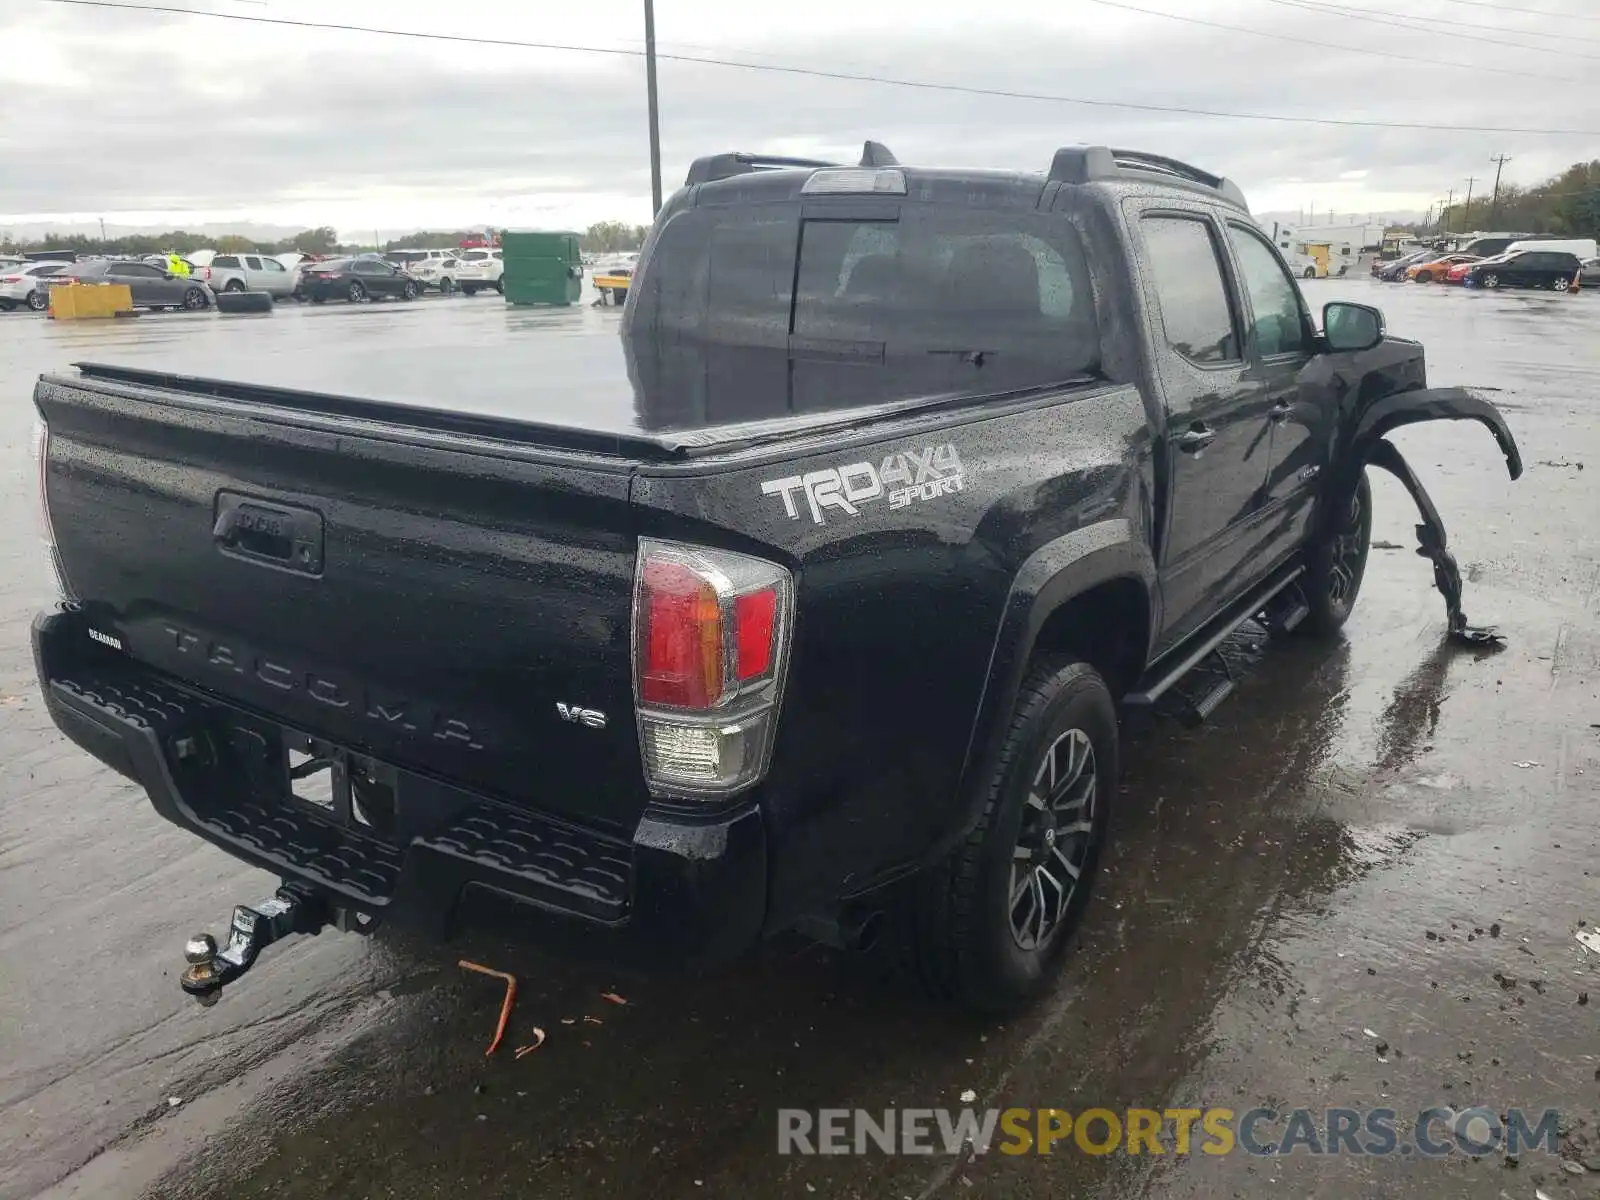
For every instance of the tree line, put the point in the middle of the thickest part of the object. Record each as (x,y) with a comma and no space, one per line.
(1568,203)
(603,237)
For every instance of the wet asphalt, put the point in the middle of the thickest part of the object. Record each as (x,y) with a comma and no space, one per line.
(1381,834)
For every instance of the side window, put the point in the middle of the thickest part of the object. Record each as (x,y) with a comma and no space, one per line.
(1277,322)
(272,265)
(252,262)
(1195,313)
(225,260)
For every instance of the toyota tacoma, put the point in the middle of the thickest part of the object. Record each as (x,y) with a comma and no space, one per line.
(810,598)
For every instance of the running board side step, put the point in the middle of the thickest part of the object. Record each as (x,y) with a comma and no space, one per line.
(1163,675)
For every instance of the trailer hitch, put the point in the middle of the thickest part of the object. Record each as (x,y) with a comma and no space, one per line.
(293,909)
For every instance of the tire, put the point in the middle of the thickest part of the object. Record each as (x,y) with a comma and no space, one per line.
(955,926)
(1491,280)
(1337,563)
(500,286)
(234,285)
(1424,276)
(357,293)
(446,286)
(194,299)
(38,300)
(1560,285)
(469,289)
(7,305)
(1309,273)
(409,291)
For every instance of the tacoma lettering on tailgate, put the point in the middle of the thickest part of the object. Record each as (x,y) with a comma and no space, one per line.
(386,709)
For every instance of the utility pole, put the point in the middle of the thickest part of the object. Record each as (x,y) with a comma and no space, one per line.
(102,229)
(1444,213)
(655,115)
(1467,208)
(1499,161)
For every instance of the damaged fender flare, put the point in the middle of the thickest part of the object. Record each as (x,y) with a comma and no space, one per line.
(1433,404)
(1369,447)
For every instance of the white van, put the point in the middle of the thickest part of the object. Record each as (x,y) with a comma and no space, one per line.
(1584,248)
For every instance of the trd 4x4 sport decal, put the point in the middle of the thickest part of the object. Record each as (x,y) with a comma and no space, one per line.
(906,478)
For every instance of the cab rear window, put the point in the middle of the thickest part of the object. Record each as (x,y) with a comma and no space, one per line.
(893,303)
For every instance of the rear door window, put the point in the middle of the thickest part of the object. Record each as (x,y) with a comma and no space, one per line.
(1196,315)
(226,260)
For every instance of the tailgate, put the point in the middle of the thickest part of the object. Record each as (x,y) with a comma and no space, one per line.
(430,601)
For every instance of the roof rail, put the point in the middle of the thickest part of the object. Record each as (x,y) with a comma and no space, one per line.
(1085,164)
(726,166)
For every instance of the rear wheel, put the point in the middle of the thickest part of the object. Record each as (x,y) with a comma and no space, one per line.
(1491,280)
(356,293)
(37,300)
(7,305)
(1560,285)
(194,299)
(1424,276)
(446,286)
(234,285)
(988,926)
(1310,273)
(409,291)
(1337,563)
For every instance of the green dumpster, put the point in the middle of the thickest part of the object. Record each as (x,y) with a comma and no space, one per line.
(541,267)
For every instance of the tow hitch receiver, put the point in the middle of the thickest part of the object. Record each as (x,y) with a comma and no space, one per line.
(293,909)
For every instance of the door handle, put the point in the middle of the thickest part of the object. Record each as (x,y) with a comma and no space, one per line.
(1195,438)
(1280,411)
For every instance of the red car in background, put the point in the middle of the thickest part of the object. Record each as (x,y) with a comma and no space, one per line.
(1458,273)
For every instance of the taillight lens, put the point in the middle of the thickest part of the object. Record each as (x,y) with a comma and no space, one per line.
(41,455)
(711,633)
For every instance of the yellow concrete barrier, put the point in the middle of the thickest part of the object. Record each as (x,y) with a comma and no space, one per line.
(80,301)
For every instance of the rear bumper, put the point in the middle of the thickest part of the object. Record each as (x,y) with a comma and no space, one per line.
(680,891)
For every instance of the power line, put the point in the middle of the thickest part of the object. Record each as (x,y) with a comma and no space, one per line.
(1324,45)
(1382,18)
(1531,12)
(819,73)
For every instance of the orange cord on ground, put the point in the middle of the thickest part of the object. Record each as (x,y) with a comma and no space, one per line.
(505,1007)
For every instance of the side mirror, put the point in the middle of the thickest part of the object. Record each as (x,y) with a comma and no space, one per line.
(1347,326)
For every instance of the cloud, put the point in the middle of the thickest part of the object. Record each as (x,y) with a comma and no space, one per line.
(157,114)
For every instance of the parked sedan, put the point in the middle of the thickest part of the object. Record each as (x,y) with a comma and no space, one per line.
(1590,276)
(355,280)
(1552,269)
(1439,268)
(25,285)
(151,287)
(1390,272)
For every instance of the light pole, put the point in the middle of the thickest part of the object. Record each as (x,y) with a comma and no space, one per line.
(655,115)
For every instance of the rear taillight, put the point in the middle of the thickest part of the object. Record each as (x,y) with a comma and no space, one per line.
(711,632)
(203,274)
(41,455)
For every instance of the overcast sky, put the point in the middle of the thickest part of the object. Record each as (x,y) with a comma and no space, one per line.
(155,118)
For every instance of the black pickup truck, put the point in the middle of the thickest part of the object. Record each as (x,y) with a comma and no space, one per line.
(808,602)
